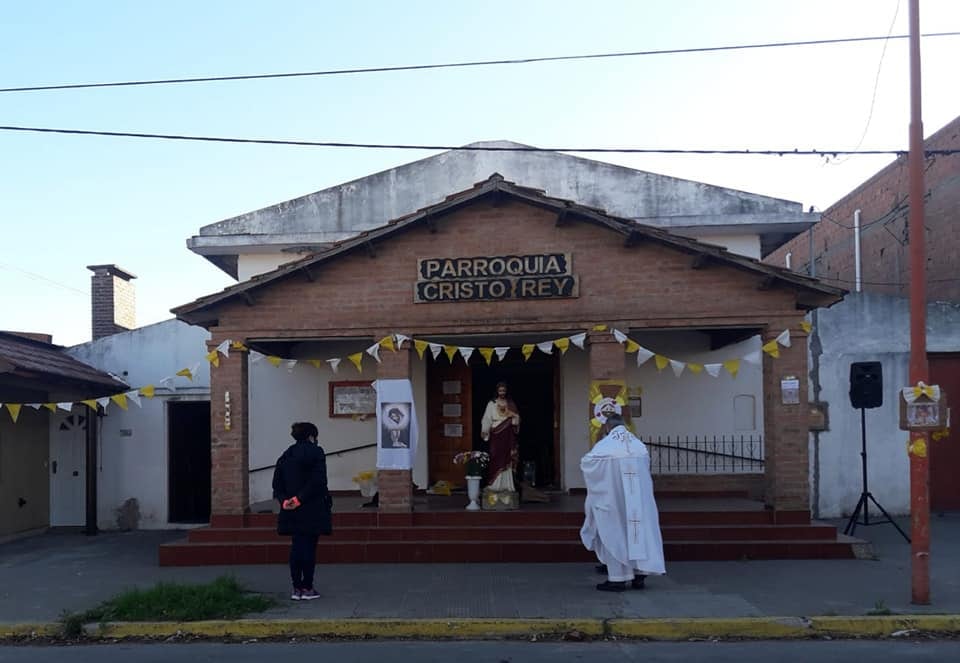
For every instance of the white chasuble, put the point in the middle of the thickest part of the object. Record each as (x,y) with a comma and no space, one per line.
(621,521)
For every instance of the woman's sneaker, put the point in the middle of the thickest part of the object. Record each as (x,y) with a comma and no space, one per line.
(296,594)
(308,594)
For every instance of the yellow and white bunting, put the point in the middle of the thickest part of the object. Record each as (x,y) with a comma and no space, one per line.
(466,353)
(643,355)
(487,354)
(374,351)
(501,352)
(334,364)
(420,347)
(562,344)
(546,347)
(450,351)
(677,366)
(356,359)
(526,350)
(579,339)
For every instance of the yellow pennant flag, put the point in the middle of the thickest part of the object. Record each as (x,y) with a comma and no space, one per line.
(773,349)
(357,360)
(316,363)
(599,328)
(14,410)
(806,326)
(732,366)
(695,368)
(387,342)
(527,350)
(50,406)
(121,400)
(273,360)
(662,362)
(450,351)
(149,391)
(421,346)
(214,358)
(185,372)
(238,345)
(91,403)
(563,344)
(632,346)
(487,354)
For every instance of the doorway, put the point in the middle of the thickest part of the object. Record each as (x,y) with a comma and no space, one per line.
(945,452)
(188,430)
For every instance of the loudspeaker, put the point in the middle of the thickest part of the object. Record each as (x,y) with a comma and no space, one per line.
(866,384)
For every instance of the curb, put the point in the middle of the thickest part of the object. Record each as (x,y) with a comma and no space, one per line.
(753,628)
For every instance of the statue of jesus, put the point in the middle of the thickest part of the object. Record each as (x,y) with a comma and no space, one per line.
(499,426)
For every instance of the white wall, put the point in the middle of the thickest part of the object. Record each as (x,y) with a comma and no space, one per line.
(251,264)
(575,420)
(279,397)
(745,245)
(133,449)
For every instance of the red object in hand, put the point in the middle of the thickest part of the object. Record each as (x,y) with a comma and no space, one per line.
(291,503)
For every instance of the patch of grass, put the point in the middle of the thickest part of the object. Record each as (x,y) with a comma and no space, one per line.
(224,598)
(879,608)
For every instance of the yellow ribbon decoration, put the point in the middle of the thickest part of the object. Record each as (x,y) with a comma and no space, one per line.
(806,326)
(91,403)
(273,359)
(357,360)
(487,354)
(695,368)
(14,410)
(421,346)
(121,400)
(662,362)
(185,372)
(632,346)
(924,390)
(214,358)
(562,344)
(732,366)
(450,351)
(387,342)
(918,448)
(527,350)
(149,391)
(772,348)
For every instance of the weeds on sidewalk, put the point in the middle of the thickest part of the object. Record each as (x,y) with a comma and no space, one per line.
(879,608)
(223,598)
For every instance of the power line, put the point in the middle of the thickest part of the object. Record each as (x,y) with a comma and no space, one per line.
(40,277)
(467,148)
(478,63)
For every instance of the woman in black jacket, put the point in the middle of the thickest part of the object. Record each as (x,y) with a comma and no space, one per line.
(300,485)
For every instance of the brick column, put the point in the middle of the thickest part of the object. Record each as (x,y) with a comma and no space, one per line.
(785,427)
(608,361)
(395,486)
(230,442)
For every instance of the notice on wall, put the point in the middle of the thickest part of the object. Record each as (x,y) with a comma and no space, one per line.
(790,390)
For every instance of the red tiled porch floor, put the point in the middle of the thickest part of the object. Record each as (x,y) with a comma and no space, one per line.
(440,530)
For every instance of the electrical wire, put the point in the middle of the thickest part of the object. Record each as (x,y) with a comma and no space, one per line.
(478,63)
(466,148)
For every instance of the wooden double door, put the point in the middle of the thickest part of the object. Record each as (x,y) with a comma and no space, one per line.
(945,452)
(457,394)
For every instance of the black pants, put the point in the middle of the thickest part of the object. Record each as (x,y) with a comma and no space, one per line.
(303,560)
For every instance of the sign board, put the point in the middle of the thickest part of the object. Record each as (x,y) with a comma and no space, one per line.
(352,399)
(486,278)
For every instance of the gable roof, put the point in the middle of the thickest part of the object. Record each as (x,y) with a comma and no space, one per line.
(33,362)
(198,311)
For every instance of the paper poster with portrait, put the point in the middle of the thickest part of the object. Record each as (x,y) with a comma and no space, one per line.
(396,425)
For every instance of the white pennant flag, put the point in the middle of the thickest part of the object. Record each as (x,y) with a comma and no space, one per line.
(713,369)
(579,339)
(620,336)
(643,355)
(754,357)
(224,348)
(401,339)
(677,366)
(465,353)
(256,356)
(65,406)
(435,348)
(290,364)
(35,406)
(103,402)
(374,351)
(501,352)
(546,347)
(134,395)
(166,383)
(334,364)
(784,338)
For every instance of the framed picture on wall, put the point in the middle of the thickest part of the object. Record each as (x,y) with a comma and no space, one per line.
(352,399)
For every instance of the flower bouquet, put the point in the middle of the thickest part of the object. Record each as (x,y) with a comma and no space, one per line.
(474,461)
(367,480)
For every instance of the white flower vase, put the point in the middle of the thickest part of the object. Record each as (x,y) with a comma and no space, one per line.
(473,492)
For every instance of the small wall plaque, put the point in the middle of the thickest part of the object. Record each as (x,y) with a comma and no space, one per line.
(453,430)
(451,386)
(452,410)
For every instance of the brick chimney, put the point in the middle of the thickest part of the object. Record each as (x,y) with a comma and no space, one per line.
(113,300)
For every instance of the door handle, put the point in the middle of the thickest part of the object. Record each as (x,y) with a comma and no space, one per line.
(53,467)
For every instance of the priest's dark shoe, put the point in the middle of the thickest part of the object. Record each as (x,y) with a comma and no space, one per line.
(638,582)
(601,569)
(608,586)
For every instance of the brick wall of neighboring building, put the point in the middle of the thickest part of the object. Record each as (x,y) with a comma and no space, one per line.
(113,300)
(884,206)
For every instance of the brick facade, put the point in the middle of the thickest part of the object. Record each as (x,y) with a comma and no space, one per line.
(884,207)
(395,486)
(229,435)
(370,292)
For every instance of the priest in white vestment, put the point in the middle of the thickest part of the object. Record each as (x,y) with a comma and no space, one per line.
(622,525)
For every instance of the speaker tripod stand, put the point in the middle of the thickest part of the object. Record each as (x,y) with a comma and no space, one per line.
(866,496)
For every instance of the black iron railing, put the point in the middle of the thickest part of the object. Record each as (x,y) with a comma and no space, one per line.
(705,454)
(328,454)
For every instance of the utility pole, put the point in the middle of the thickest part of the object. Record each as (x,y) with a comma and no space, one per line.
(919,441)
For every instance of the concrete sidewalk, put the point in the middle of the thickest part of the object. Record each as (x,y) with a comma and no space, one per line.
(42,577)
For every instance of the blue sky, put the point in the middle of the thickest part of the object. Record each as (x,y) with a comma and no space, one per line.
(71,201)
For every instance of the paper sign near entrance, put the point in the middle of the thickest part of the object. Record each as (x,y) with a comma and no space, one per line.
(790,390)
